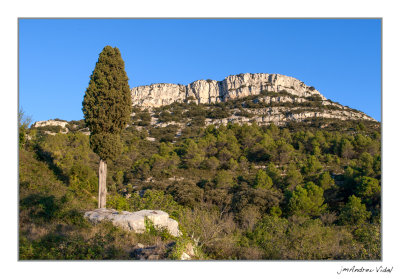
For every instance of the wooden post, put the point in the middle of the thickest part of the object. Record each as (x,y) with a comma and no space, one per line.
(102,184)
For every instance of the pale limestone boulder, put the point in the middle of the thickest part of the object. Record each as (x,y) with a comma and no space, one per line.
(134,221)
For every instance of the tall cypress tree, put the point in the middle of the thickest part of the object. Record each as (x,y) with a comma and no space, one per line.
(107,107)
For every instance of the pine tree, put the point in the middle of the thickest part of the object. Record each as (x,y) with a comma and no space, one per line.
(354,212)
(307,200)
(107,108)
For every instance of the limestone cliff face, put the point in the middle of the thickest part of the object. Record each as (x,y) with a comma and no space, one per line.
(159,94)
(211,91)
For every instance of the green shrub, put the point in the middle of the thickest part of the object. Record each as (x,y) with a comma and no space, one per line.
(162,232)
(157,200)
(118,202)
(179,248)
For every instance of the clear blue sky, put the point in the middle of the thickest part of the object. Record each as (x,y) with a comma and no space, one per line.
(339,57)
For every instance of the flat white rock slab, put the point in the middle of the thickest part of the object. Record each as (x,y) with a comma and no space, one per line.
(134,221)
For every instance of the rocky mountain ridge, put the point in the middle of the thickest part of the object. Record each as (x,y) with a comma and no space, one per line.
(212,91)
(244,99)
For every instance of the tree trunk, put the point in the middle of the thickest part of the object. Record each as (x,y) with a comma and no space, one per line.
(102,184)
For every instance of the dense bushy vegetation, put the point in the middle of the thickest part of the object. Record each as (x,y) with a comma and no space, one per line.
(240,192)
(195,114)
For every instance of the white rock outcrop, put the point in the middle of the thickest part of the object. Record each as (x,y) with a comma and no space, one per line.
(281,115)
(211,91)
(47,123)
(134,221)
(50,123)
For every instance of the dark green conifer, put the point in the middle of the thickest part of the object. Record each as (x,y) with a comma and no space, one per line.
(107,107)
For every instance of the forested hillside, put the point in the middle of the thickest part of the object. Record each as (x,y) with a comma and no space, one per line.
(305,190)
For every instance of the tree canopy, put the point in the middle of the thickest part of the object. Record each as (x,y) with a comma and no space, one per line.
(107,103)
